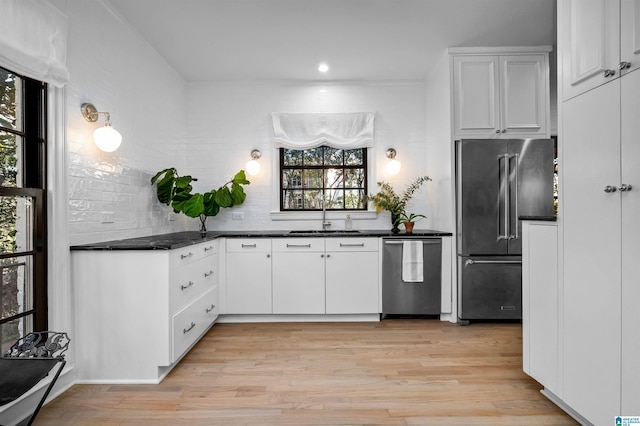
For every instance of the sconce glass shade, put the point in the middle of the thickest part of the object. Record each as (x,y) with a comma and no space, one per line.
(107,138)
(253,166)
(393,167)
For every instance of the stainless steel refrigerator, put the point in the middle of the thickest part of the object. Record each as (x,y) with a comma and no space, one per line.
(498,181)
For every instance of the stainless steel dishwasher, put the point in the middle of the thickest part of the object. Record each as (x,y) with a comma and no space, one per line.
(411,298)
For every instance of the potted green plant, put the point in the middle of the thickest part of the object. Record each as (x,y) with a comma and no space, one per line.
(175,191)
(387,199)
(409,220)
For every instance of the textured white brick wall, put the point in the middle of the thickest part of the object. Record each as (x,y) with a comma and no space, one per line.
(112,67)
(226,121)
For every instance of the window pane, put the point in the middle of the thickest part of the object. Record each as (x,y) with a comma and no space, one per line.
(10,150)
(312,178)
(335,199)
(13,330)
(354,178)
(333,157)
(10,100)
(16,229)
(354,157)
(292,200)
(292,178)
(354,199)
(333,178)
(16,284)
(292,157)
(313,157)
(313,200)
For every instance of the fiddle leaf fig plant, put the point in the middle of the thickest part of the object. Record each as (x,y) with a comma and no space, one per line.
(175,191)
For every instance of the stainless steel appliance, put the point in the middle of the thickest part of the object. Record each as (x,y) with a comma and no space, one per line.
(498,181)
(411,298)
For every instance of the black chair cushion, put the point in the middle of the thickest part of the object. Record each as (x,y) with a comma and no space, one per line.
(18,375)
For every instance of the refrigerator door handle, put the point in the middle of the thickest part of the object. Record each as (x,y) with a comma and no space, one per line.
(515,215)
(504,184)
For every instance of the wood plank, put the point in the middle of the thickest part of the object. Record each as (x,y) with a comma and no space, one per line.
(395,372)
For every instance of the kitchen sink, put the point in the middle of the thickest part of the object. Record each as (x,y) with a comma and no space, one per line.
(327,231)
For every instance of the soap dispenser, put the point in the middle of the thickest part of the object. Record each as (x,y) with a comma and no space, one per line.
(347,222)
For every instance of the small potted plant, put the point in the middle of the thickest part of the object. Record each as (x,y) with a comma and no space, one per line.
(387,199)
(409,220)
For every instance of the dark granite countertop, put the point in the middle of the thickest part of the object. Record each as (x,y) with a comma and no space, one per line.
(183,239)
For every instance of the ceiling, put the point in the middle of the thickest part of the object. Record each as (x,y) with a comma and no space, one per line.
(361,40)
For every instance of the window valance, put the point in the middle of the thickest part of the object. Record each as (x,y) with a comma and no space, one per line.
(311,130)
(33,40)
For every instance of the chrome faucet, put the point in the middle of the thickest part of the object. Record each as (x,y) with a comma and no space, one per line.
(325,224)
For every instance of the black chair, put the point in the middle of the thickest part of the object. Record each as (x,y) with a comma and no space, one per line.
(28,361)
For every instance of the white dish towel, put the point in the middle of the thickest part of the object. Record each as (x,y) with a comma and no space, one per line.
(412,262)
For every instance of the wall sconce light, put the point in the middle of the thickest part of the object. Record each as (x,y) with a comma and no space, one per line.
(393,166)
(106,138)
(253,166)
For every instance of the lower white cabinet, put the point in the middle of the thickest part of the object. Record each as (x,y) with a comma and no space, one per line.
(298,276)
(540,296)
(248,268)
(351,275)
(138,311)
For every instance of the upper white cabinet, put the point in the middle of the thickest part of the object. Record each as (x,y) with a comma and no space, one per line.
(500,92)
(601,40)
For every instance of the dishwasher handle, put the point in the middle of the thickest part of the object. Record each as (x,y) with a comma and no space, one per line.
(392,243)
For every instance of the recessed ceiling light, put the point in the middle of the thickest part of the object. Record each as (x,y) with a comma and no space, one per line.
(323,67)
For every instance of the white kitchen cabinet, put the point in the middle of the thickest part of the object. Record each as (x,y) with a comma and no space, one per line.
(351,275)
(150,305)
(500,92)
(599,202)
(602,42)
(248,266)
(540,295)
(298,276)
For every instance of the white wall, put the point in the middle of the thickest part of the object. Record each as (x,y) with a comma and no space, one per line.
(226,121)
(112,67)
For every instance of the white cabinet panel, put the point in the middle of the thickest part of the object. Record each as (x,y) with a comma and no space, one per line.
(248,276)
(298,282)
(524,92)
(592,253)
(630,137)
(630,34)
(352,282)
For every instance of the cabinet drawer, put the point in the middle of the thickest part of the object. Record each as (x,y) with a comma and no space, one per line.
(298,244)
(189,282)
(192,321)
(351,244)
(193,253)
(248,245)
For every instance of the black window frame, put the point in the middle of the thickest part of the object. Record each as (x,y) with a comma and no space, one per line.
(324,188)
(34,183)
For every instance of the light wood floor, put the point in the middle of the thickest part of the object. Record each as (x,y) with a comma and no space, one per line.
(396,372)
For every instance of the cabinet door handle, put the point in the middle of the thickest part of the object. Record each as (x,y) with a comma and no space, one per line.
(184,256)
(624,65)
(208,274)
(609,189)
(184,287)
(608,73)
(351,245)
(186,330)
(504,130)
(299,245)
(208,248)
(624,187)
(210,309)
(497,130)
(249,245)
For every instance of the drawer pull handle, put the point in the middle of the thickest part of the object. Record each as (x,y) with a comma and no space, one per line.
(186,330)
(299,245)
(351,245)
(184,287)
(210,309)
(184,256)
(208,274)
(208,248)
(249,245)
